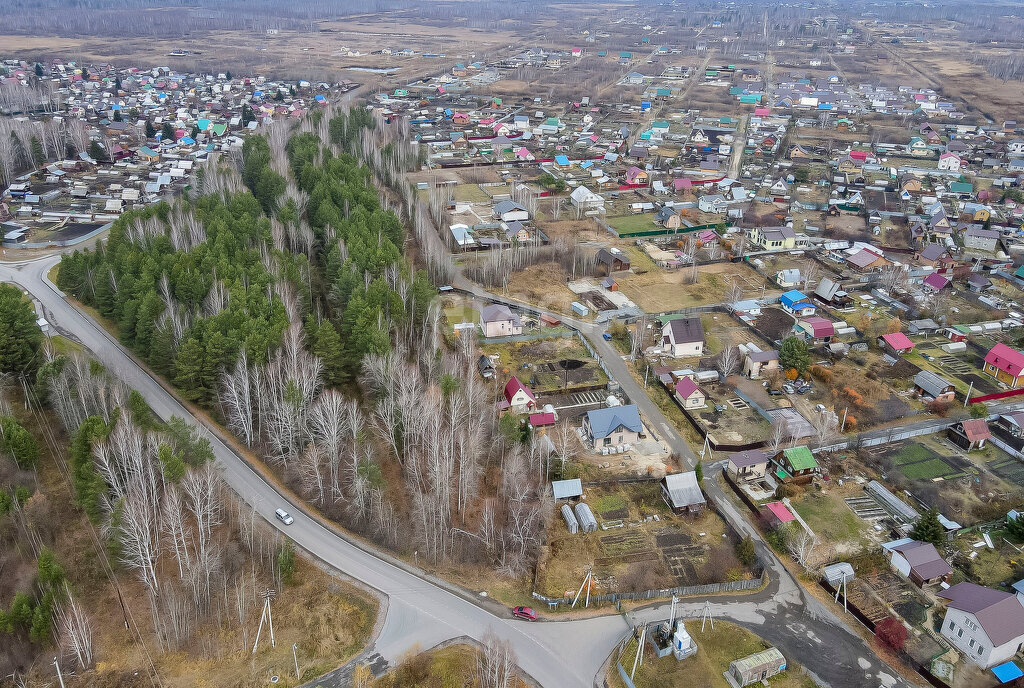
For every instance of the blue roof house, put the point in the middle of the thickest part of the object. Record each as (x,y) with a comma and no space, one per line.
(797,303)
(613,426)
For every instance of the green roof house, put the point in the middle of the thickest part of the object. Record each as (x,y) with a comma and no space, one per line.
(796,465)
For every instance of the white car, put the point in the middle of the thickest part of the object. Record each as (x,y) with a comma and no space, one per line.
(284,517)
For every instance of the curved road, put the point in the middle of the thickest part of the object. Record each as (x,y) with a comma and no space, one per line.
(421,613)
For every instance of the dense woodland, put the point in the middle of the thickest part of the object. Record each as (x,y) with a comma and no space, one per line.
(279,297)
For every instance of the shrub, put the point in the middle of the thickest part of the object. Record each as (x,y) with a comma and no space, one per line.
(939,408)
(978,410)
(792,374)
(745,551)
(851,421)
(892,633)
(821,373)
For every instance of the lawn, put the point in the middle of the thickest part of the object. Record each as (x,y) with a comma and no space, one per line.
(919,462)
(638,222)
(829,516)
(715,649)
(471,193)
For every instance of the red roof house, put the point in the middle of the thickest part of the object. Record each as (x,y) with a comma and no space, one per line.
(519,397)
(540,420)
(970,434)
(778,513)
(817,328)
(897,342)
(1005,364)
(689,394)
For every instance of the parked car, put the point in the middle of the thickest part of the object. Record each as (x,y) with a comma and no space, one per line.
(820,408)
(607,337)
(524,613)
(803,390)
(721,407)
(284,517)
(774,392)
(788,389)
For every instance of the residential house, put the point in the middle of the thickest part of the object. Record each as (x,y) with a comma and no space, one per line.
(950,162)
(774,237)
(714,203)
(689,395)
(668,217)
(896,343)
(486,366)
(929,384)
(980,239)
(935,256)
(1012,422)
(918,148)
(507,211)
(970,434)
(831,292)
(1005,364)
(611,260)
(750,464)
(790,277)
(683,337)
(815,329)
(796,465)
(978,283)
(866,260)
(585,199)
(935,282)
(612,426)
(519,397)
(795,303)
(516,232)
(635,175)
(497,320)
(918,561)
(682,493)
(985,625)
(758,363)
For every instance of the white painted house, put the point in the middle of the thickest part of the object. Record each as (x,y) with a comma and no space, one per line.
(985,625)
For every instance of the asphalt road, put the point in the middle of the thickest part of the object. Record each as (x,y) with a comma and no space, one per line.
(422,613)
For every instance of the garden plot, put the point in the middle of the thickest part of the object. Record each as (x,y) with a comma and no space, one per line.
(919,462)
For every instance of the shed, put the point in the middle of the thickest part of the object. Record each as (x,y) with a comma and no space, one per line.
(834,574)
(682,493)
(586,518)
(567,489)
(757,667)
(570,520)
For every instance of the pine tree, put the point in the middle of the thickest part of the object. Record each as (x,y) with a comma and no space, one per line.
(167,132)
(699,471)
(38,155)
(794,354)
(328,347)
(928,528)
(20,336)
(18,443)
(150,130)
(189,368)
(118,117)
(96,151)
(39,69)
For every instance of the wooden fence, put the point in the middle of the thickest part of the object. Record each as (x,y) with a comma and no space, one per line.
(681,591)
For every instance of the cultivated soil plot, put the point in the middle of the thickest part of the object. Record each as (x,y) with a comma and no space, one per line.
(919,462)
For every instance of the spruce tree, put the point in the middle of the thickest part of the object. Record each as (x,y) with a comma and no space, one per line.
(20,336)
(328,347)
(928,528)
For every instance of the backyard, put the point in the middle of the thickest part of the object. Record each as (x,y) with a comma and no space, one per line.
(657,290)
(716,648)
(547,366)
(633,552)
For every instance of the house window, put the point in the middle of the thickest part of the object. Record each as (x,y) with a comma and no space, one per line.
(952,626)
(960,633)
(971,644)
(981,650)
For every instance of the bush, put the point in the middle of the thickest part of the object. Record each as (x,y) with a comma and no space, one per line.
(892,633)
(821,373)
(939,408)
(745,551)
(978,410)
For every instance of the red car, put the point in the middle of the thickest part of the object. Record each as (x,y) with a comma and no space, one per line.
(524,613)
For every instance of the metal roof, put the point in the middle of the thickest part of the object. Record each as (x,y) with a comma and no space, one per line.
(683,489)
(564,489)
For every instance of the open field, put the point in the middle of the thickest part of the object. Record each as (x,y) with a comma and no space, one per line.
(447,667)
(547,366)
(658,290)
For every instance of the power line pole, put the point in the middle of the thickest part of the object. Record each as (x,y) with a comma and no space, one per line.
(296,658)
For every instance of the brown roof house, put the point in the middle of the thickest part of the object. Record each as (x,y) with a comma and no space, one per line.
(918,561)
(970,434)
(985,625)
(682,337)
(689,395)
(750,464)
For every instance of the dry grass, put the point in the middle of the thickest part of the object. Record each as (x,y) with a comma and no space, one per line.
(658,290)
(544,285)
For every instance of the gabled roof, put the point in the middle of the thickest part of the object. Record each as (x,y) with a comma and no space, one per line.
(820,327)
(898,341)
(780,511)
(800,458)
(976,429)
(794,298)
(497,312)
(604,421)
(748,457)
(1000,613)
(683,489)
(936,281)
(931,383)
(1006,359)
(686,330)
(923,558)
(564,489)
(686,387)
(513,386)
(506,206)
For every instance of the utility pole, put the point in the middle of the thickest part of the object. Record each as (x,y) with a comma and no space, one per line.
(296,658)
(706,616)
(59,677)
(968,397)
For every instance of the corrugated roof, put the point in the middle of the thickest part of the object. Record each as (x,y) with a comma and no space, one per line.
(683,489)
(1000,613)
(604,421)
(563,489)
